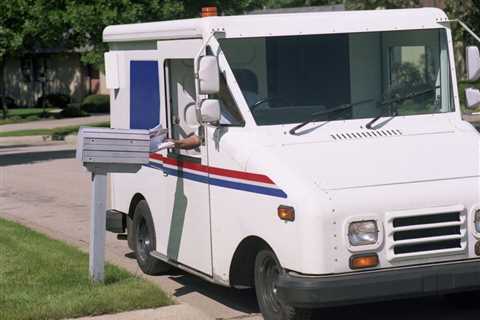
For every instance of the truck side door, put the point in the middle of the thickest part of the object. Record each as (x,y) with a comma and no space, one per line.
(183,227)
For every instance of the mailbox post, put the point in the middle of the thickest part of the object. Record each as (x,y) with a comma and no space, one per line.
(102,151)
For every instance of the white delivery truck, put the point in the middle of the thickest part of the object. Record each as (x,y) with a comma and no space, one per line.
(335,167)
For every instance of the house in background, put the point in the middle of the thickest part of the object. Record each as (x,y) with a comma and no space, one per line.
(50,71)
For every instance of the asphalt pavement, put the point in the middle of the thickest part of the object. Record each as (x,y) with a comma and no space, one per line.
(45,188)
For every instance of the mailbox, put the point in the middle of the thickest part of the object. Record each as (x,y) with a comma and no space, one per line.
(113,147)
(101,151)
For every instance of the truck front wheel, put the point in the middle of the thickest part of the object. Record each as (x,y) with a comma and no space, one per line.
(267,270)
(144,241)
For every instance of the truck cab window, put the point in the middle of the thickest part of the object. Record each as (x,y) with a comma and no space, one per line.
(292,77)
(230,114)
(181,98)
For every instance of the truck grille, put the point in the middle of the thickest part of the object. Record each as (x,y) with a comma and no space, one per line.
(424,233)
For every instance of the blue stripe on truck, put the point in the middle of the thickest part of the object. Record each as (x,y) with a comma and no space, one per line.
(144,95)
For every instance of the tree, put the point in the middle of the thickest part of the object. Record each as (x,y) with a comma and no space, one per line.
(467,11)
(88,18)
(10,41)
(299,3)
(386,4)
(26,26)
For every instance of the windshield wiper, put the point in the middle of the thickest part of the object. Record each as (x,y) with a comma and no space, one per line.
(314,116)
(384,104)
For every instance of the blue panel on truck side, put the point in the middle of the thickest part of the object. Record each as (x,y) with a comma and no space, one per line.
(144,95)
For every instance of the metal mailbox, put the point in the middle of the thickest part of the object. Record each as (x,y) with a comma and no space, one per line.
(113,146)
(101,151)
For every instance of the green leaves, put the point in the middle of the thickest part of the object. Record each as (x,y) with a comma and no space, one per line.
(29,25)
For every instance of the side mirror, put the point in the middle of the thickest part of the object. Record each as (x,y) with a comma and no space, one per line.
(472,97)
(210,110)
(209,75)
(473,63)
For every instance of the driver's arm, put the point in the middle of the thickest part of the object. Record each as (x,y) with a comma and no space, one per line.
(191,142)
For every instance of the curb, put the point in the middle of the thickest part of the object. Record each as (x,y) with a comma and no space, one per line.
(175,312)
(36,141)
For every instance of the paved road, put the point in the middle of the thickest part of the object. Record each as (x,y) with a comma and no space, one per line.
(50,124)
(45,188)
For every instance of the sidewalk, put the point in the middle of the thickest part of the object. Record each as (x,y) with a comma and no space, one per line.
(50,124)
(176,312)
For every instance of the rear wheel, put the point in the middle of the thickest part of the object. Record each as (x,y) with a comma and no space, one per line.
(144,241)
(267,271)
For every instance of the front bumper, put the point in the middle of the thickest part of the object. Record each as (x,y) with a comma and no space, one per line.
(312,292)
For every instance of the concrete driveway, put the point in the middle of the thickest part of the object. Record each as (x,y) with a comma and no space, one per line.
(45,188)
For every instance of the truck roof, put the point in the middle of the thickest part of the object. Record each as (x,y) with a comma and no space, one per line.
(261,25)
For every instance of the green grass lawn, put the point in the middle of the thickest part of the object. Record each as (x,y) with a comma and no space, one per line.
(60,131)
(41,278)
(25,114)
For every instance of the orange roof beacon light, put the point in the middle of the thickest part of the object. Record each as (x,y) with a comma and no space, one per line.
(209,11)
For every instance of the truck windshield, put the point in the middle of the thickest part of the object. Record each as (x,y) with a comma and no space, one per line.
(287,79)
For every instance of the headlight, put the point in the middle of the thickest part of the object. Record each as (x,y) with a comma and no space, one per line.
(362,233)
(477,221)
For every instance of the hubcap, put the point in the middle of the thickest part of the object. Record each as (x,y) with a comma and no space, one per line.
(143,240)
(271,272)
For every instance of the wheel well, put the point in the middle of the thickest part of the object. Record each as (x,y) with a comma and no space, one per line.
(243,262)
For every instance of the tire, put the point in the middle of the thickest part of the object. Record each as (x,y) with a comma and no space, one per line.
(267,270)
(144,241)
(466,300)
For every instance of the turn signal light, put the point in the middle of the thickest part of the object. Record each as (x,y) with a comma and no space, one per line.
(286,213)
(477,248)
(210,11)
(362,261)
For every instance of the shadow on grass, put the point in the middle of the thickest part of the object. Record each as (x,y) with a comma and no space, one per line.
(32,157)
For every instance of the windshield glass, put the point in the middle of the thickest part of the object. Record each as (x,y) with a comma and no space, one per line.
(287,79)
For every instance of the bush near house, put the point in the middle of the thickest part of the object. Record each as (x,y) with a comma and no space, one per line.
(73,110)
(54,100)
(96,103)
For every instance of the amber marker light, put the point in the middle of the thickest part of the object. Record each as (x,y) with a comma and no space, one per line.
(477,248)
(209,11)
(286,213)
(362,261)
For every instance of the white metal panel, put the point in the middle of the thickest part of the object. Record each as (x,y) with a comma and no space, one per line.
(176,29)
(406,199)
(280,24)
(184,225)
(124,185)
(111,70)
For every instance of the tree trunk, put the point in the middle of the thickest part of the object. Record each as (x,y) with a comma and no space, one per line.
(3,103)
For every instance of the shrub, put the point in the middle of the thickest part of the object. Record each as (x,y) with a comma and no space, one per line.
(72,111)
(10,103)
(96,103)
(55,100)
(32,117)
